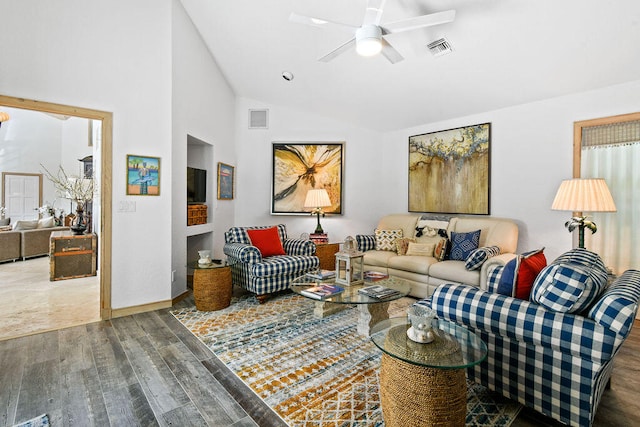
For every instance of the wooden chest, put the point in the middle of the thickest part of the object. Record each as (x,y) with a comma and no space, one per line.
(72,256)
(196,214)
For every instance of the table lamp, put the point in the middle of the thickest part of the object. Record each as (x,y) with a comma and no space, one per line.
(583,195)
(317,199)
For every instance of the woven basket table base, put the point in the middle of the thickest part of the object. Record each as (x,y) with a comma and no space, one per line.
(212,288)
(418,396)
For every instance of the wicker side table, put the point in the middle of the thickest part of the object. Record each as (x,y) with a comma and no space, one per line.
(211,286)
(424,384)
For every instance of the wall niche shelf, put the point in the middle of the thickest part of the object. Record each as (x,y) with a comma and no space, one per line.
(194,230)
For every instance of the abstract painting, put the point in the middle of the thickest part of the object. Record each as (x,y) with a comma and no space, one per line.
(300,167)
(449,171)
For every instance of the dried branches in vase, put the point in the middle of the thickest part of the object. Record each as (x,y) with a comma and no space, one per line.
(81,190)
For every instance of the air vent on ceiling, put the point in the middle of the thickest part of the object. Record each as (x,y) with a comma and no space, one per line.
(258,119)
(440,47)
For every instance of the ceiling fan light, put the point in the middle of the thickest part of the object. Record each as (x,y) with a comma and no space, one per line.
(368,40)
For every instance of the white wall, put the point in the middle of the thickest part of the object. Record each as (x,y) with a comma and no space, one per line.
(364,154)
(531,153)
(113,56)
(202,106)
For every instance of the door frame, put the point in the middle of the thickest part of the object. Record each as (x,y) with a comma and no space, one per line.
(105,182)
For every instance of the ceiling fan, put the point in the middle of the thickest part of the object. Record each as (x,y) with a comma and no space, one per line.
(369,37)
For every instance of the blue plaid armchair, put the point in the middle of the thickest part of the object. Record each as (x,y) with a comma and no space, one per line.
(557,362)
(264,276)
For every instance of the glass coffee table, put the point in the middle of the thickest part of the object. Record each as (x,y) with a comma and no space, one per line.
(425,384)
(372,310)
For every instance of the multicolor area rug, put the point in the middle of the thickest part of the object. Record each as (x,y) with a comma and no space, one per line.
(312,372)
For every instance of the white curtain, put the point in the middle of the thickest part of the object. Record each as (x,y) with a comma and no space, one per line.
(617,240)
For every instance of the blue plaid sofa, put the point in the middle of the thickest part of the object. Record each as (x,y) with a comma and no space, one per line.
(557,362)
(264,276)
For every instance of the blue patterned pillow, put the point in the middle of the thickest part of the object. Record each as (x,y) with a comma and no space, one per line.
(462,244)
(568,287)
(479,256)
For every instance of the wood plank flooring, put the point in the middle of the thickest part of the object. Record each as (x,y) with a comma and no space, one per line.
(148,370)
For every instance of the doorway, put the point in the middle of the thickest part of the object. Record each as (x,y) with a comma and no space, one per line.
(21,194)
(104,196)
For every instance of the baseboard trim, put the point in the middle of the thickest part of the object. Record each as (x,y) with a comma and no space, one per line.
(127,311)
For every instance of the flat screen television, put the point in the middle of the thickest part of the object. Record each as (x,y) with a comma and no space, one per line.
(196,185)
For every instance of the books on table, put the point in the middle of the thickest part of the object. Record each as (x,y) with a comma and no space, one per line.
(322,291)
(322,274)
(379,292)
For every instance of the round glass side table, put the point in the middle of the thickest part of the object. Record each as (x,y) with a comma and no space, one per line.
(425,384)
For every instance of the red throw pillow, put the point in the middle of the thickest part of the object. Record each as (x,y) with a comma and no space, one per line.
(267,240)
(519,274)
(530,267)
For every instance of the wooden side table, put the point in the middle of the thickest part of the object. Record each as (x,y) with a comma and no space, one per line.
(212,286)
(326,252)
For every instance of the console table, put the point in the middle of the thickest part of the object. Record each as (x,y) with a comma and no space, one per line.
(71,256)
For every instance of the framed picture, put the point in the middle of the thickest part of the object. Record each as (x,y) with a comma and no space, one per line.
(225,181)
(449,171)
(299,167)
(143,175)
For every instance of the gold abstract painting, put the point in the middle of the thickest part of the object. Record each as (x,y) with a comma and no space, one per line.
(449,171)
(300,167)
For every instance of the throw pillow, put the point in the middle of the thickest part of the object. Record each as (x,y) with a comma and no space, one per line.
(47,222)
(442,249)
(402,245)
(386,239)
(462,244)
(519,274)
(267,240)
(420,249)
(25,225)
(479,256)
(568,287)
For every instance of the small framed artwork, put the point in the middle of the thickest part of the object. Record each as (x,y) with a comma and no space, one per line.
(143,175)
(449,171)
(225,181)
(300,167)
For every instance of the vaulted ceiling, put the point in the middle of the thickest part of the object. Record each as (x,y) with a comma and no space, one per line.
(505,52)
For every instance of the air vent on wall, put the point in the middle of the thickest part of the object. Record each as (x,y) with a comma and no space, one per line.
(258,119)
(440,47)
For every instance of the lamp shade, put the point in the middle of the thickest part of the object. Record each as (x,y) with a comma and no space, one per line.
(584,195)
(317,199)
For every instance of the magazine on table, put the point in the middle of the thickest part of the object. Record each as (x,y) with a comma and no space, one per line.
(322,291)
(379,292)
(374,276)
(322,274)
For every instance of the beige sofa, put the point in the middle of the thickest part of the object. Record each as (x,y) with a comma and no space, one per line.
(425,273)
(25,243)
(10,245)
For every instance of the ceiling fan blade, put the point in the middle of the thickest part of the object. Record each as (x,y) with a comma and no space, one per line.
(321,23)
(339,50)
(373,12)
(419,22)
(390,52)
